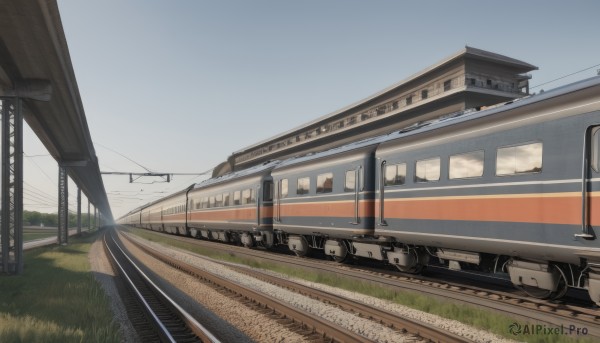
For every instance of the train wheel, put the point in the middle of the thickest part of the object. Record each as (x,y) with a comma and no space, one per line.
(535,292)
(421,259)
(563,285)
(299,245)
(339,259)
(247,240)
(540,293)
(416,269)
(336,249)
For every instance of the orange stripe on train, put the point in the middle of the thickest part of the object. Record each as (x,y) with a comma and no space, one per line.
(530,208)
(327,209)
(231,214)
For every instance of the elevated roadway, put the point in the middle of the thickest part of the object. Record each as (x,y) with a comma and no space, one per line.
(37,83)
(35,63)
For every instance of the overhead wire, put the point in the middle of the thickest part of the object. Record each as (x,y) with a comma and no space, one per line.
(565,76)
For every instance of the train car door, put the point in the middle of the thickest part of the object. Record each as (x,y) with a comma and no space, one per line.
(381,181)
(353,183)
(590,184)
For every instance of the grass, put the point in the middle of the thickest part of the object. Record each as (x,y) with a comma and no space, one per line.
(33,233)
(56,299)
(470,315)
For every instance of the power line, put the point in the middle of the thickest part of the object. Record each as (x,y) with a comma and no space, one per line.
(562,77)
(118,153)
(32,160)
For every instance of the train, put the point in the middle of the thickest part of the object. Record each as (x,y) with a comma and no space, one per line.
(511,189)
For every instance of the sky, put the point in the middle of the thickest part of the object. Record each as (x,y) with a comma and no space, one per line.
(177,86)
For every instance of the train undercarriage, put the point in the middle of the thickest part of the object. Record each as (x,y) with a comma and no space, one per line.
(538,279)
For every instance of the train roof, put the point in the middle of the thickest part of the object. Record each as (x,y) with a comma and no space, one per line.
(373,141)
(261,168)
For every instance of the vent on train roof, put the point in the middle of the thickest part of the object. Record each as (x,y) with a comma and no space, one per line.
(415,126)
(440,119)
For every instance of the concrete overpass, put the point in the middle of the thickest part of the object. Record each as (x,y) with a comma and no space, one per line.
(37,83)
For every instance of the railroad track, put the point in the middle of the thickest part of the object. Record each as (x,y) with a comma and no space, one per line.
(156,317)
(416,329)
(542,311)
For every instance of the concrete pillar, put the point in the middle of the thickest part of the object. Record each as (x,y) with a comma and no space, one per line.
(89,219)
(78,211)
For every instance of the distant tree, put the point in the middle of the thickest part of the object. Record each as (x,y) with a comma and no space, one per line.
(50,219)
(32,218)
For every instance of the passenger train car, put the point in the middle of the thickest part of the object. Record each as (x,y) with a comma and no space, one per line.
(236,207)
(510,189)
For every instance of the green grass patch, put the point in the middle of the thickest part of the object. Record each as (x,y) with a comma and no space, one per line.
(56,299)
(30,234)
(483,319)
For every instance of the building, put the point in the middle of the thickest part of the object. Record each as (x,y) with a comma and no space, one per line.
(471,78)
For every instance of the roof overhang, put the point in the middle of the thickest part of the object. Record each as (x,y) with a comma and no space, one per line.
(34,51)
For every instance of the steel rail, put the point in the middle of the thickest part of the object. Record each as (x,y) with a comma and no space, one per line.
(192,324)
(318,324)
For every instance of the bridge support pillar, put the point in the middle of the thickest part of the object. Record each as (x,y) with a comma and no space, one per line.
(11,226)
(63,206)
(89,217)
(78,211)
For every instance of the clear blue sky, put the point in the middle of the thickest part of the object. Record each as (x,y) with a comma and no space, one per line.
(178,86)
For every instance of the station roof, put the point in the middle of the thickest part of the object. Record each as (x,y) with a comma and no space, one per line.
(467,52)
(33,47)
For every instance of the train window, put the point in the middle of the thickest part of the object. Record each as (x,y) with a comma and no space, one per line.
(467,165)
(395,174)
(191,204)
(211,202)
(428,170)
(219,200)
(246,196)
(204,202)
(519,159)
(252,199)
(236,198)
(284,188)
(350,184)
(268,191)
(596,149)
(325,183)
(226,199)
(303,185)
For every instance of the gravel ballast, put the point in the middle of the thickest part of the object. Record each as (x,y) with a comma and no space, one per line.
(369,329)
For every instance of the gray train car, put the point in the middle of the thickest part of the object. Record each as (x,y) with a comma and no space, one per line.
(236,207)
(324,200)
(513,189)
(173,213)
